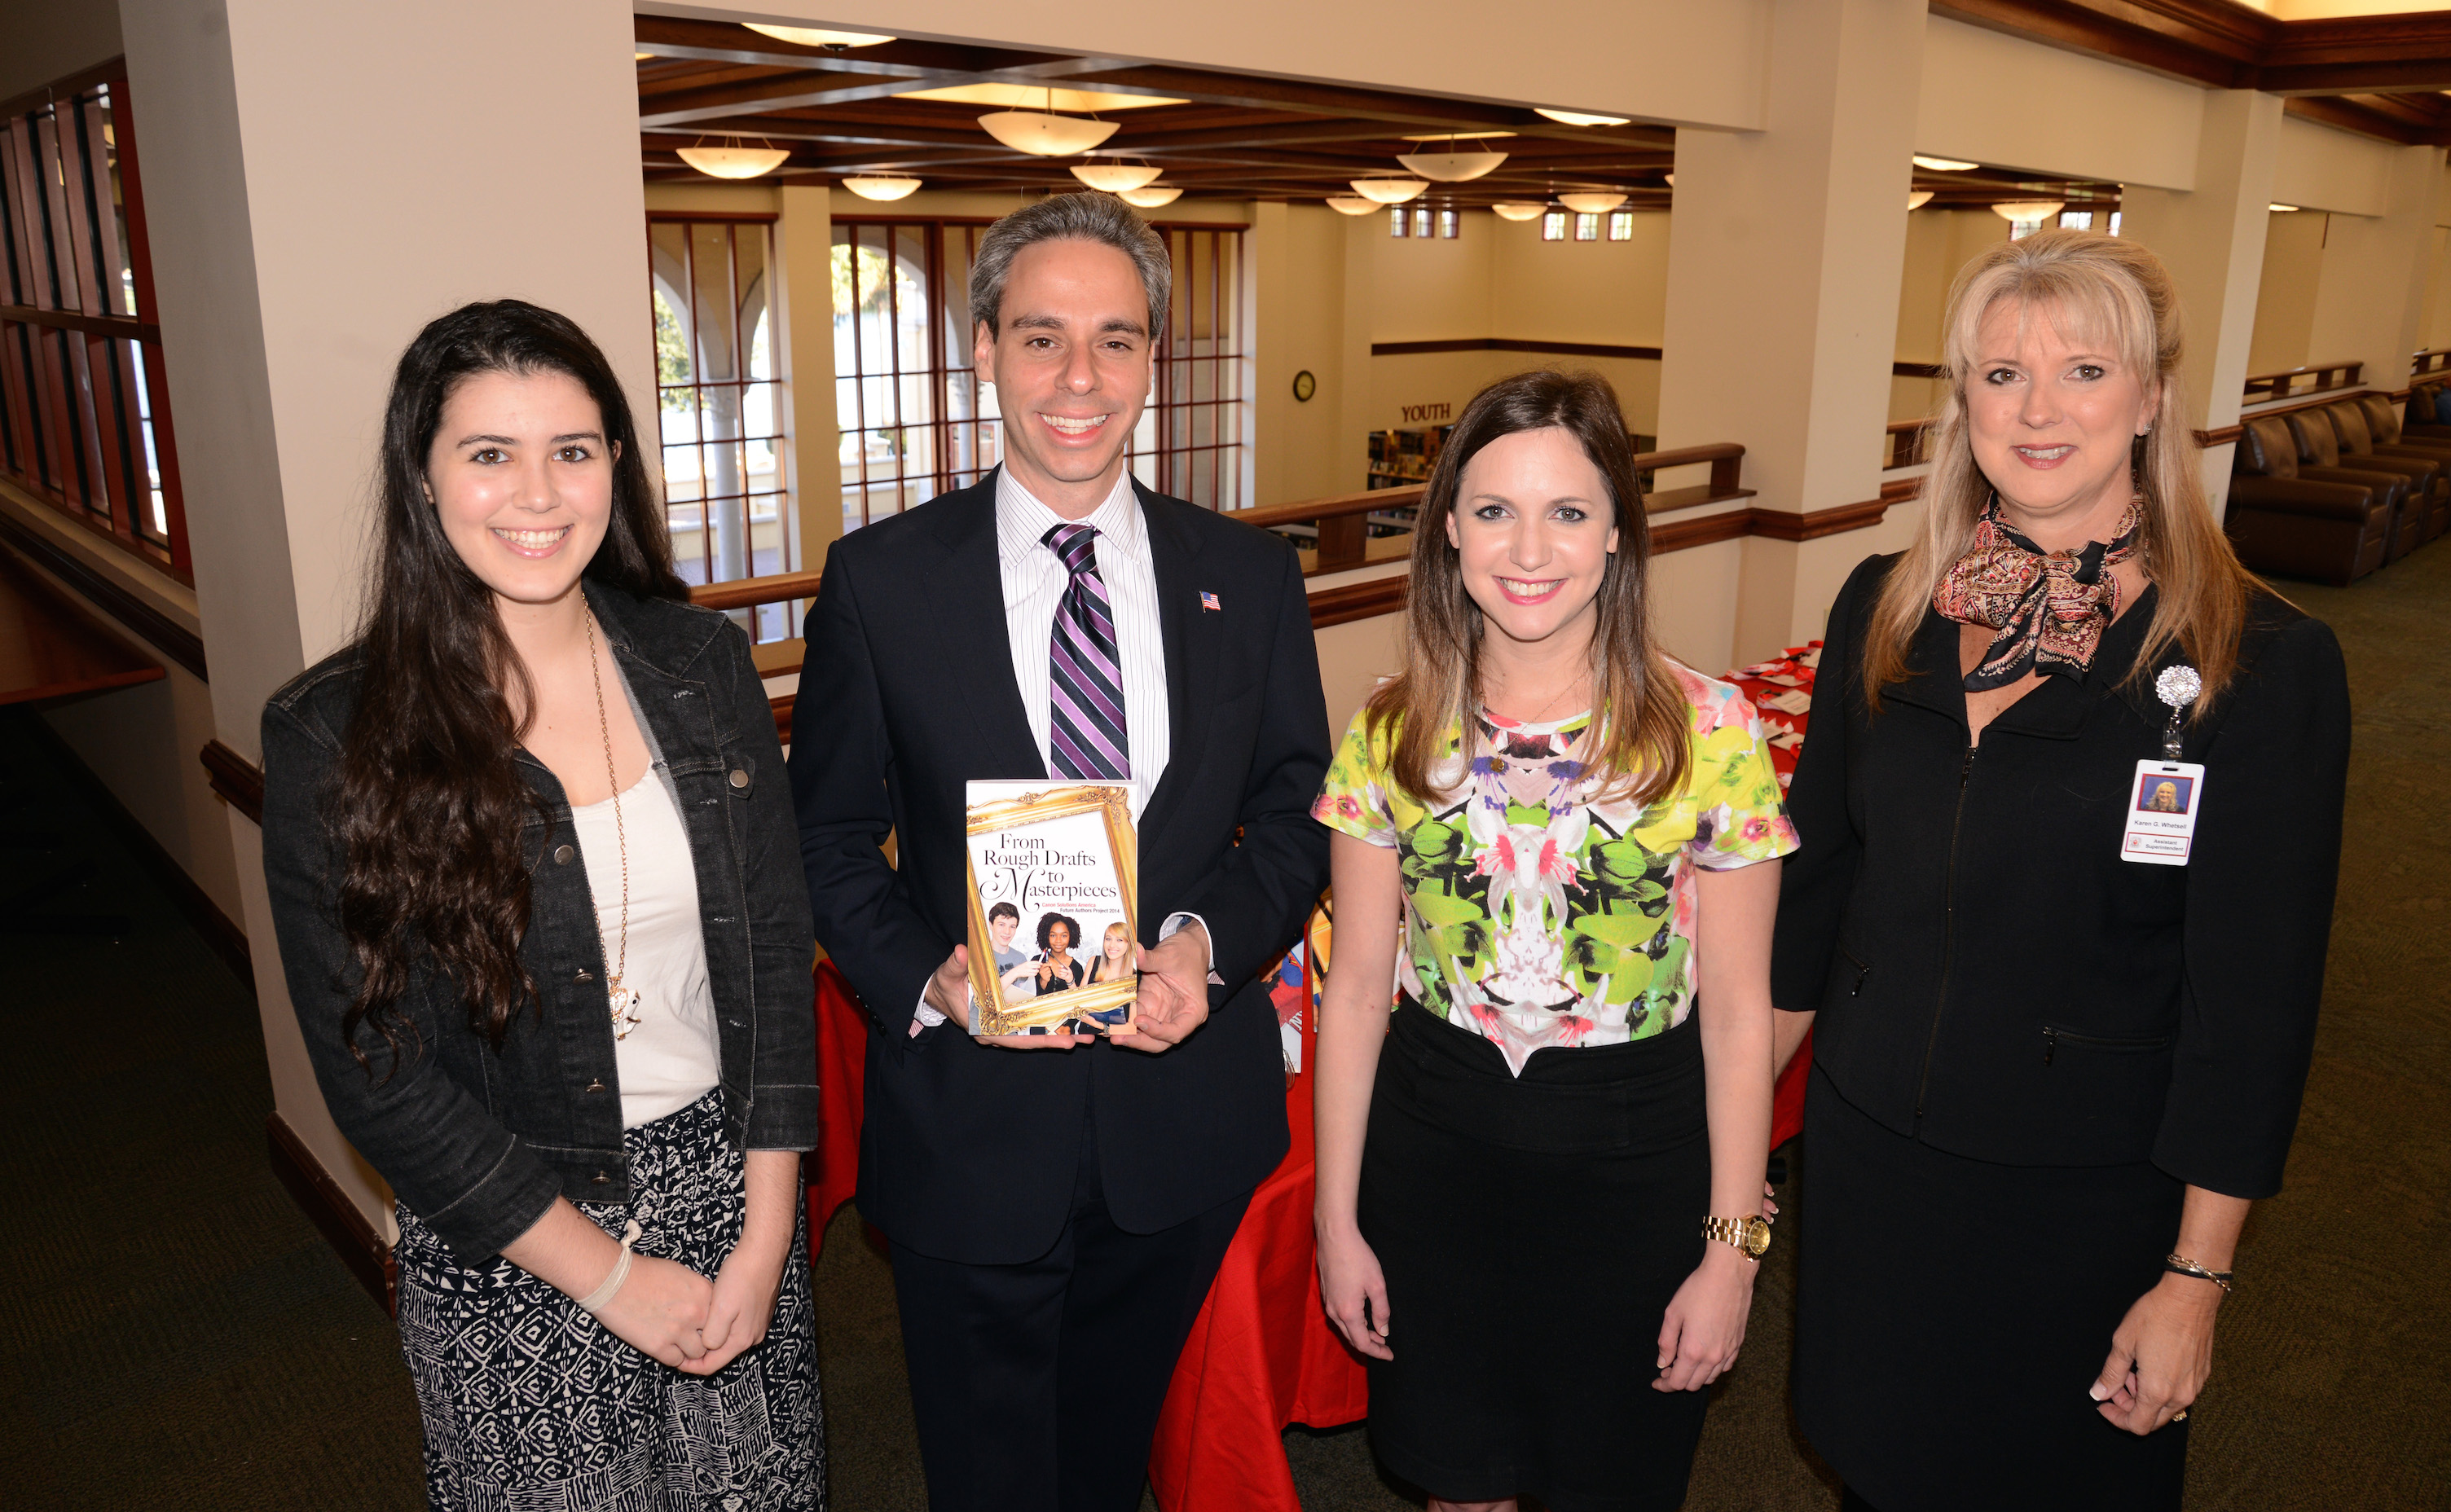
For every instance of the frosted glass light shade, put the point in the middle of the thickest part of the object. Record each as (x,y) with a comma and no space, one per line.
(1591,203)
(1518,212)
(817,37)
(1114,177)
(2027,210)
(734,161)
(1042,135)
(1352,205)
(1451,167)
(1389,192)
(881,185)
(2280,209)
(1580,117)
(1918,199)
(1151,196)
(1943,164)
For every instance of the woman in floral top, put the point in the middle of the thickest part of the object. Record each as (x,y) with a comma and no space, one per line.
(1525,1155)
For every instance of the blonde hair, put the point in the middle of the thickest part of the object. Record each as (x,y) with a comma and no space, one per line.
(2121,292)
(1639,718)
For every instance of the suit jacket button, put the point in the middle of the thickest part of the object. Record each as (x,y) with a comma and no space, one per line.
(600,1179)
(740,779)
(595,1085)
(562,854)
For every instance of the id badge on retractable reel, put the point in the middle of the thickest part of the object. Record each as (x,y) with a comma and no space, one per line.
(2166,795)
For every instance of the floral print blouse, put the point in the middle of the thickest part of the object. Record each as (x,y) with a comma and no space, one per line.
(1539,912)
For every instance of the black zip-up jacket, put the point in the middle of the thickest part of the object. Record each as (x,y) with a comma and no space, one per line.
(479,1143)
(1992,978)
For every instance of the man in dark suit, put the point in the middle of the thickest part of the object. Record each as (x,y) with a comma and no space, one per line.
(1058,1205)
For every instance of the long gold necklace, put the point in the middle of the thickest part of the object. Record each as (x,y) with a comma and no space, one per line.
(623,1001)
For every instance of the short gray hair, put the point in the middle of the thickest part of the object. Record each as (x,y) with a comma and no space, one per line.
(1089,216)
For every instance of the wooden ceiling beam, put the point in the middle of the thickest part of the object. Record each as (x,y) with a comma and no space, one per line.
(2368,115)
(1424,112)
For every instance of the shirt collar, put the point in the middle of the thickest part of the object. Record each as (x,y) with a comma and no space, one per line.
(1022,521)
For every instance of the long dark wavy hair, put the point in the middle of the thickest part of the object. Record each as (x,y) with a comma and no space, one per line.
(429,805)
(1642,718)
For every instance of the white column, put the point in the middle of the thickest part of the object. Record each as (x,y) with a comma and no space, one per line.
(2370,302)
(804,233)
(322,178)
(2211,239)
(1784,250)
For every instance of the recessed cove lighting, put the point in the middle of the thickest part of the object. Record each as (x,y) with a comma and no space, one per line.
(816,37)
(2285,210)
(1580,117)
(1943,164)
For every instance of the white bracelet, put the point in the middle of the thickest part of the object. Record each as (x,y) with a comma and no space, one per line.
(596,1302)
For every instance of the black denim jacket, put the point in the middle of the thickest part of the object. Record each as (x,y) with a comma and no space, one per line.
(479,1143)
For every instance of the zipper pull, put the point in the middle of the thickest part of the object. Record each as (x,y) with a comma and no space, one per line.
(1965,768)
(2050,1045)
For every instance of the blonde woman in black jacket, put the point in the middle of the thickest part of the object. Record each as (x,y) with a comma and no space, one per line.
(2059,1040)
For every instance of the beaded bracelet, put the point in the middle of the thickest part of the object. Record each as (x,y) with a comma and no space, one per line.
(2182,1266)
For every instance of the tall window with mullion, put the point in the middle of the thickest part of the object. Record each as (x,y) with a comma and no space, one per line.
(727,493)
(915,420)
(1189,441)
(83,422)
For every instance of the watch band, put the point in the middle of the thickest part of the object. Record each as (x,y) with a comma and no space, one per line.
(1748,1236)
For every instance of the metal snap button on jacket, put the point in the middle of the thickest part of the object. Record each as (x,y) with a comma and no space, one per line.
(584,975)
(740,779)
(562,854)
(595,1085)
(600,1179)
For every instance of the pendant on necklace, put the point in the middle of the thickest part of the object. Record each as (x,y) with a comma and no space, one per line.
(625,1009)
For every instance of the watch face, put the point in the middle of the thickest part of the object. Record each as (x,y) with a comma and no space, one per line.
(1756,1236)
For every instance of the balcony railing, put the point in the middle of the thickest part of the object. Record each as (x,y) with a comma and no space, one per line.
(2315,378)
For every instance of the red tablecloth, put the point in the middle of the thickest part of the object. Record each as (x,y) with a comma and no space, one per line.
(1261,1355)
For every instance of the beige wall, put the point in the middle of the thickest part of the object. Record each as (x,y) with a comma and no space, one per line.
(1297,254)
(1938,244)
(2319,167)
(1998,99)
(2284,301)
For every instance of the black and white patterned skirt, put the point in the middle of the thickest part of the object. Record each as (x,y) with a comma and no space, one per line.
(532,1405)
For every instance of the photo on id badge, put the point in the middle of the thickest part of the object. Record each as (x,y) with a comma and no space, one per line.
(2160,827)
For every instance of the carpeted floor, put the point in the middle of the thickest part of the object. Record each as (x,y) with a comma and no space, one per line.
(174,1335)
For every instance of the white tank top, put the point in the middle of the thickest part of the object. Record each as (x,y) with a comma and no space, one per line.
(671,1057)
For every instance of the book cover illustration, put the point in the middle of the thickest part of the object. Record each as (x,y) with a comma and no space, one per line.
(1054,920)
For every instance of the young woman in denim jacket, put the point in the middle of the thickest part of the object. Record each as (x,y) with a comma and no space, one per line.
(531,867)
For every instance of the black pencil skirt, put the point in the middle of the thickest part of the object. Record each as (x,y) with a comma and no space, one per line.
(1532,1232)
(1951,1313)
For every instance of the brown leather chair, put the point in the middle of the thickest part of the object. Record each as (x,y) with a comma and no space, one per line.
(2285,524)
(2382,423)
(2319,457)
(2417,422)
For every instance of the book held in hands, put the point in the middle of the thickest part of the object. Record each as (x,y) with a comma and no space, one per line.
(1054,922)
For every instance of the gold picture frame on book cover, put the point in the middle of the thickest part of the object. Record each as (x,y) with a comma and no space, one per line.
(1083,875)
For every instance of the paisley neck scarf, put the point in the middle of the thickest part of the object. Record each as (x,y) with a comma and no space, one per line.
(2050,608)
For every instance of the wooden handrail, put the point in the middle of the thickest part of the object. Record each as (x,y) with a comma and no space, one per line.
(2284,385)
(1342,518)
(2433,360)
(748,593)
(1904,439)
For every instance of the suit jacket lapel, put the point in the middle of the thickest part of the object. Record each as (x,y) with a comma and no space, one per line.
(1191,652)
(973,646)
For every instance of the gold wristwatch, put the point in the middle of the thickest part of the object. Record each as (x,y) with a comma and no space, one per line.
(1750,1235)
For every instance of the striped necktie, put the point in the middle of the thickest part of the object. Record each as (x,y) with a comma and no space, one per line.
(1085,736)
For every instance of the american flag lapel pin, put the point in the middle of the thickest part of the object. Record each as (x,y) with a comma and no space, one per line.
(1208,601)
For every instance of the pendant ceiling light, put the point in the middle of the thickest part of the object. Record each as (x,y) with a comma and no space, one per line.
(2279,208)
(1943,164)
(1520,212)
(1580,117)
(1918,199)
(1114,177)
(2027,210)
(815,37)
(1152,196)
(1043,135)
(881,185)
(1353,205)
(1451,166)
(734,161)
(1591,203)
(1389,190)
